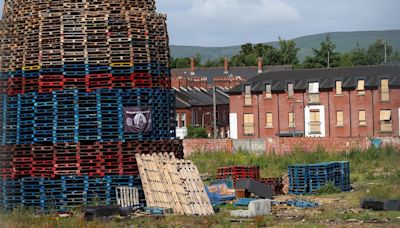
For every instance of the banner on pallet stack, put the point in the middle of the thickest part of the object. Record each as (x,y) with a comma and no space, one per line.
(137,120)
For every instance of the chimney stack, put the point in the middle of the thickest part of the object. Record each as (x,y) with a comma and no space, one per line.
(226,66)
(192,66)
(260,66)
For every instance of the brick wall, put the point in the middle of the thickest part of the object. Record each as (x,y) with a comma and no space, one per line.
(191,146)
(283,146)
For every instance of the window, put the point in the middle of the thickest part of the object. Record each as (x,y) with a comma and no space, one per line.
(339,118)
(361,118)
(313,92)
(269,120)
(292,120)
(384,90)
(386,120)
(176,119)
(361,87)
(315,121)
(339,90)
(247,95)
(248,124)
(313,87)
(183,119)
(290,90)
(268,93)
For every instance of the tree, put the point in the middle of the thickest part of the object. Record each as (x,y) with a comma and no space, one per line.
(181,63)
(346,60)
(288,52)
(214,63)
(198,60)
(325,56)
(249,54)
(359,56)
(196,133)
(376,52)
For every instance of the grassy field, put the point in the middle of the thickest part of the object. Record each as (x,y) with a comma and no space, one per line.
(374,173)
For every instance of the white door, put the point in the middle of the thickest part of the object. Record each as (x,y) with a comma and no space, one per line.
(314,119)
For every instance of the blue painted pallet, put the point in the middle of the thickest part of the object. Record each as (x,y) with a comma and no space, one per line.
(99,68)
(31,74)
(52,70)
(243,202)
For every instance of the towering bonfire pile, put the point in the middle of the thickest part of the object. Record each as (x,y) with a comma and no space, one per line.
(85,85)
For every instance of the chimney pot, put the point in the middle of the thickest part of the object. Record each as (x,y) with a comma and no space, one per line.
(192,66)
(260,66)
(226,66)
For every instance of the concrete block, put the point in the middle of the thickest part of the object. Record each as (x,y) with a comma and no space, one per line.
(256,208)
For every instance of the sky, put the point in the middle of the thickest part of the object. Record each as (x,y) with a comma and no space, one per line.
(235,22)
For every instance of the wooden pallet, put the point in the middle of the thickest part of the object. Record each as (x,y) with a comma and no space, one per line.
(173,183)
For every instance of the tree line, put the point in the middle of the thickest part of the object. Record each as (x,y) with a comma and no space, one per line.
(287,54)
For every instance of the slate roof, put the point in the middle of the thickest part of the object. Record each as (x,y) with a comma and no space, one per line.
(212,72)
(325,77)
(188,97)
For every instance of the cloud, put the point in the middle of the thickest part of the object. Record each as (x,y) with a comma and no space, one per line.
(208,19)
(232,22)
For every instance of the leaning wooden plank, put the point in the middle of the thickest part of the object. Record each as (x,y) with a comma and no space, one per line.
(174,188)
(179,187)
(171,183)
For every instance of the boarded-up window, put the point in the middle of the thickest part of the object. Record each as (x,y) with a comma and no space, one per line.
(339,118)
(290,90)
(361,87)
(385,90)
(247,95)
(269,120)
(268,91)
(313,87)
(315,121)
(339,90)
(292,121)
(386,120)
(362,121)
(248,124)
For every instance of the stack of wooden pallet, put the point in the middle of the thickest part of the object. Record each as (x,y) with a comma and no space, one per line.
(172,183)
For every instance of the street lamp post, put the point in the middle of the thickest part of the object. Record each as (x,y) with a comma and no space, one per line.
(385,50)
(294,116)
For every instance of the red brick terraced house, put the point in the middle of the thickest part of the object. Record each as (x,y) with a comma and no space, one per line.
(194,107)
(335,102)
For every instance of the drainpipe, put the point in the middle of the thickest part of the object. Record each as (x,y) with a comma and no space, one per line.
(258,114)
(304,115)
(329,114)
(279,120)
(373,113)
(351,128)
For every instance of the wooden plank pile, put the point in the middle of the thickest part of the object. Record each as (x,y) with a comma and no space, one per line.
(172,183)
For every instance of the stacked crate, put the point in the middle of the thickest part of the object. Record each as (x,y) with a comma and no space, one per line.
(68,70)
(298,179)
(238,172)
(308,179)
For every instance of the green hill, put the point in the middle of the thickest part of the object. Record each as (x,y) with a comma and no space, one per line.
(345,41)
